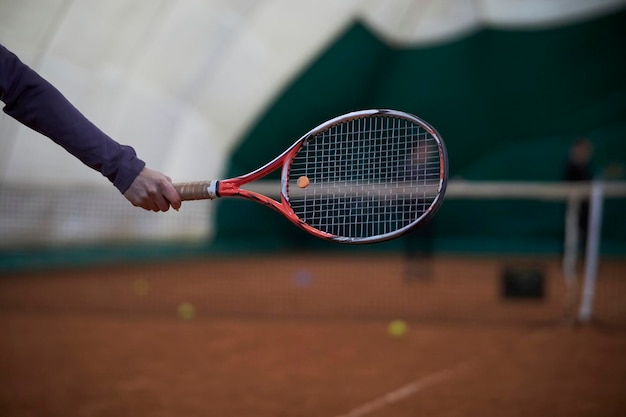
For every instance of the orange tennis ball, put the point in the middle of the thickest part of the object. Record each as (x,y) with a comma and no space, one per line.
(303,182)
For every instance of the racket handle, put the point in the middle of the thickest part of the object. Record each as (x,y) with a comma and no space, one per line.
(201,190)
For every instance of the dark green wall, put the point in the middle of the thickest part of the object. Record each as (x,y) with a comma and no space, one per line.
(507,103)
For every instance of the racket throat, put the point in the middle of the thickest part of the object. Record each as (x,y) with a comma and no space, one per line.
(226,188)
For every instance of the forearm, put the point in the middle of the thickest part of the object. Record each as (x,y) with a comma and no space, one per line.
(37,104)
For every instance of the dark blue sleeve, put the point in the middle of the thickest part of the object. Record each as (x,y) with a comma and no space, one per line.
(37,104)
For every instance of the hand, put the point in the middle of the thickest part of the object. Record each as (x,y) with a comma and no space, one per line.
(154,191)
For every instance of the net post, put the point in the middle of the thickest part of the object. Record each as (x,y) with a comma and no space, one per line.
(592,252)
(570,252)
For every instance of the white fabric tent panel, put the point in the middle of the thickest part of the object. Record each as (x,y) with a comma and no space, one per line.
(426,22)
(141,78)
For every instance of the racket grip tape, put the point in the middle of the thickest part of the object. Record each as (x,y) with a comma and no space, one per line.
(201,190)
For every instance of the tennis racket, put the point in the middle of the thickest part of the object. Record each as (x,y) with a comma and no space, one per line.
(363,177)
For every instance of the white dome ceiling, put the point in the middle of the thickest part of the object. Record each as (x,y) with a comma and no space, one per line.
(181,81)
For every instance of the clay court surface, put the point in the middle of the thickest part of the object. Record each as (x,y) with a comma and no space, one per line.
(305,336)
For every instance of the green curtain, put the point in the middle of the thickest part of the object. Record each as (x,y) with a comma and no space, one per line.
(508,104)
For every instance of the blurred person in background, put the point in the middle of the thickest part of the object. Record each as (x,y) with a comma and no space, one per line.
(579,169)
(36,103)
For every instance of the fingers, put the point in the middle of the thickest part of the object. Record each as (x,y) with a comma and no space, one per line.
(163,196)
(160,202)
(170,193)
(153,191)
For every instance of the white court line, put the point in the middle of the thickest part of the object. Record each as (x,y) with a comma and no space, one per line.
(406,391)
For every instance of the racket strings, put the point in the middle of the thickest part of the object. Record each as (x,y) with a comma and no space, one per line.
(367,177)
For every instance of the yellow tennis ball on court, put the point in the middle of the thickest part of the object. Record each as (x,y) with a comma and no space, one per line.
(397,328)
(141,287)
(186,311)
(303,181)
